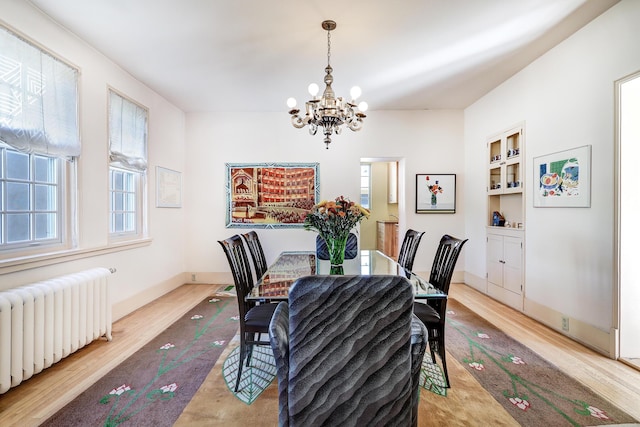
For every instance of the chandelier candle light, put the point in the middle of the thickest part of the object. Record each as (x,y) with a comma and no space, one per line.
(329,112)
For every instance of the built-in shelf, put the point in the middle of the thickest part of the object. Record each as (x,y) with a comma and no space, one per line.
(505,194)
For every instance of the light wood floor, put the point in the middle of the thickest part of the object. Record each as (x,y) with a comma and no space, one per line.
(40,397)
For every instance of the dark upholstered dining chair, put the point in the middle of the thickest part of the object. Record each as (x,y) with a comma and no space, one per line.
(409,248)
(433,313)
(350,252)
(348,352)
(257,254)
(254,319)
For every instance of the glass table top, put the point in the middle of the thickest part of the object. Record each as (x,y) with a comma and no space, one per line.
(289,266)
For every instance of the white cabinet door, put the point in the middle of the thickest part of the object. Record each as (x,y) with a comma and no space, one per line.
(495,249)
(512,264)
(504,262)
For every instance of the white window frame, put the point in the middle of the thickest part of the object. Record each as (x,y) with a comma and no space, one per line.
(118,163)
(64,198)
(368,186)
(61,142)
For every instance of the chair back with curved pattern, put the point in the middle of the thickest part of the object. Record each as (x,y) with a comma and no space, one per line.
(444,262)
(257,254)
(240,269)
(359,328)
(409,248)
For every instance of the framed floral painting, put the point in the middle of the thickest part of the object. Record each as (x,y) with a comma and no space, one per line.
(270,195)
(435,193)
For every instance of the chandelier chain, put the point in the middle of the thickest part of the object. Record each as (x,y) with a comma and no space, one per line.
(329,47)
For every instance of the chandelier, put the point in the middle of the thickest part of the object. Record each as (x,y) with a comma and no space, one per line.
(327,111)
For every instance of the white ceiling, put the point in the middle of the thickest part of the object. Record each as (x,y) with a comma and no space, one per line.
(251,55)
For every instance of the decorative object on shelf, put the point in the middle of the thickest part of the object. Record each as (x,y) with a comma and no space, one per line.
(328,112)
(270,195)
(435,193)
(333,220)
(563,179)
(498,219)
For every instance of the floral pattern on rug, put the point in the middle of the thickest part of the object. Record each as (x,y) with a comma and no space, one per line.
(127,402)
(481,354)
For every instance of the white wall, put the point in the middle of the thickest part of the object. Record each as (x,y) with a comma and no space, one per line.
(566,98)
(428,141)
(147,271)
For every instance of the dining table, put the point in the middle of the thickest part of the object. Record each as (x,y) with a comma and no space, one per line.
(291,265)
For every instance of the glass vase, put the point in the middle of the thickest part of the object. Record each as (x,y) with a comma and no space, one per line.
(336,269)
(434,199)
(336,248)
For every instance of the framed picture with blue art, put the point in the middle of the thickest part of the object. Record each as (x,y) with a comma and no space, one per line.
(563,179)
(270,195)
(435,193)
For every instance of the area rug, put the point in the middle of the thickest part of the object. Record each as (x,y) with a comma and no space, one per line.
(533,391)
(255,378)
(431,376)
(152,387)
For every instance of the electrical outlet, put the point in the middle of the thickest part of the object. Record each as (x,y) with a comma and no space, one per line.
(565,323)
(193,277)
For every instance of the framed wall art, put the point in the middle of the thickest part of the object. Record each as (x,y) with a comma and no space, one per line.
(435,193)
(168,188)
(563,179)
(270,195)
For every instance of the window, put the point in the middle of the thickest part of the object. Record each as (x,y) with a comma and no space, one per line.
(30,186)
(39,142)
(128,165)
(365,185)
(123,204)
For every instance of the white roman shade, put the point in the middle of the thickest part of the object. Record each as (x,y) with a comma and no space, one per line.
(127,134)
(38,100)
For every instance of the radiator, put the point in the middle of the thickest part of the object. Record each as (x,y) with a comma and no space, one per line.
(44,322)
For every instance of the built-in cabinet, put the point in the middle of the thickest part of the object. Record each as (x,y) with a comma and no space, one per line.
(387,242)
(505,232)
(504,267)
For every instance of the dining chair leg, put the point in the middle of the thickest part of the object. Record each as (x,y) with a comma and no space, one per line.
(431,345)
(243,350)
(250,349)
(443,357)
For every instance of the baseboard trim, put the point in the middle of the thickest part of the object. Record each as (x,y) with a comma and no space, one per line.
(208,278)
(122,308)
(476,282)
(588,335)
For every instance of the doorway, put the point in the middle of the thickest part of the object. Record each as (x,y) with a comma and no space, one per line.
(384,196)
(628,229)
